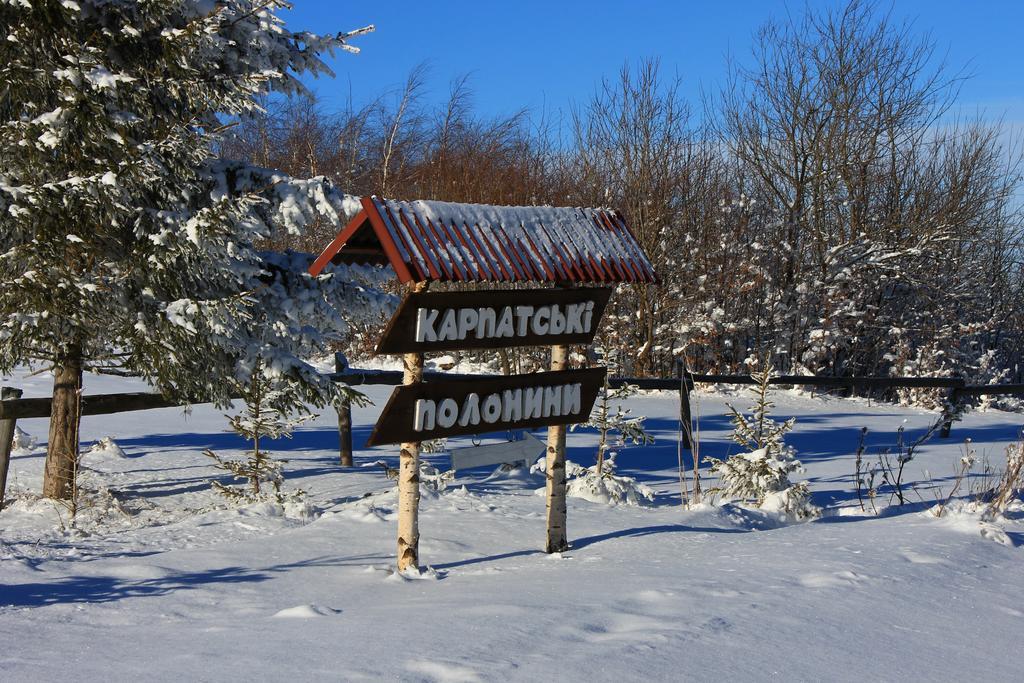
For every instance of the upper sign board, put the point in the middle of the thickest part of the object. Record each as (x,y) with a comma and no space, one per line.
(453,321)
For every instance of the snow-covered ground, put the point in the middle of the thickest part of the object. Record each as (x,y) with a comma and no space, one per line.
(163,581)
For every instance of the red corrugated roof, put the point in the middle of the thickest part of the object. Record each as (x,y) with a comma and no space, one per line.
(428,240)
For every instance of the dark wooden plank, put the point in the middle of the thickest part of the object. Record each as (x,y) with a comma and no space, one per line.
(804,380)
(397,421)
(992,390)
(653,383)
(646,383)
(96,404)
(105,404)
(392,377)
(464,310)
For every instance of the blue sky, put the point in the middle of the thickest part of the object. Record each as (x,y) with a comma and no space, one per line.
(547,54)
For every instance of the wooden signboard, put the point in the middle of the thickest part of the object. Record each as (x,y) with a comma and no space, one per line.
(431,410)
(527,449)
(454,321)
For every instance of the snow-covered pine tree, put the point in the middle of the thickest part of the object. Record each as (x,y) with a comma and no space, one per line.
(762,473)
(615,428)
(126,245)
(259,420)
(294,315)
(759,430)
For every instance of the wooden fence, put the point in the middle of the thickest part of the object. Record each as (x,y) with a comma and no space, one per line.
(13,408)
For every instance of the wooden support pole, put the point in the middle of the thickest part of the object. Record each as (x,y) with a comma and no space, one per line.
(557,540)
(409,474)
(344,418)
(954,405)
(345,433)
(685,414)
(6,441)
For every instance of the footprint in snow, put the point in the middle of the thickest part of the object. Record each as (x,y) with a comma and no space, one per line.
(442,672)
(484,571)
(921,558)
(306,612)
(367,515)
(138,572)
(843,578)
(652,595)
(623,628)
(717,625)
(994,533)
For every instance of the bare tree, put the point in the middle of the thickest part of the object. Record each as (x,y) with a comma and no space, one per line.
(828,209)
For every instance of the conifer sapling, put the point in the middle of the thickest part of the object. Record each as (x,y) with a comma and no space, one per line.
(762,473)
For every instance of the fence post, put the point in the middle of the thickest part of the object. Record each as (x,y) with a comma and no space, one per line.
(344,418)
(6,441)
(685,414)
(954,408)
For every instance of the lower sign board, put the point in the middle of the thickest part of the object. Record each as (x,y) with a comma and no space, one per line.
(526,450)
(475,405)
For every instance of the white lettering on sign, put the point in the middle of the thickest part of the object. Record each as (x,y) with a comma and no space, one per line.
(508,405)
(505,328)
(457,324)
(571,399)
(426,415)
(470,413)
(449,328)
(447,412)
(573,318)
(425,319)
(512,405)
(487,322)
(557,325)
(533,398)
(469,318)
(491,408)
(541,320)
(552,401)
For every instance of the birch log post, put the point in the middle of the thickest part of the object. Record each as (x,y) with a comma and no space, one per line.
(6,441)
(555,460)
(409,474)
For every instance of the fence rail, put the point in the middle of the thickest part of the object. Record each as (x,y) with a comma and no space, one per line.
(105,404)
(13,408)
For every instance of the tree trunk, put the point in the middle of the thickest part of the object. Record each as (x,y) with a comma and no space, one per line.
(409,475)
(62,448)
(555,460)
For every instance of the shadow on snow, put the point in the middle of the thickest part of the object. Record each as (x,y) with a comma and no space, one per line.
(100,589)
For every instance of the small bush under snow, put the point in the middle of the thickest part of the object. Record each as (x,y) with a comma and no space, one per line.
(607,487)
(107,447)
(23,443)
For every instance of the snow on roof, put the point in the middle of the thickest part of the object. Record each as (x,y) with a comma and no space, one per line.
(429,240)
